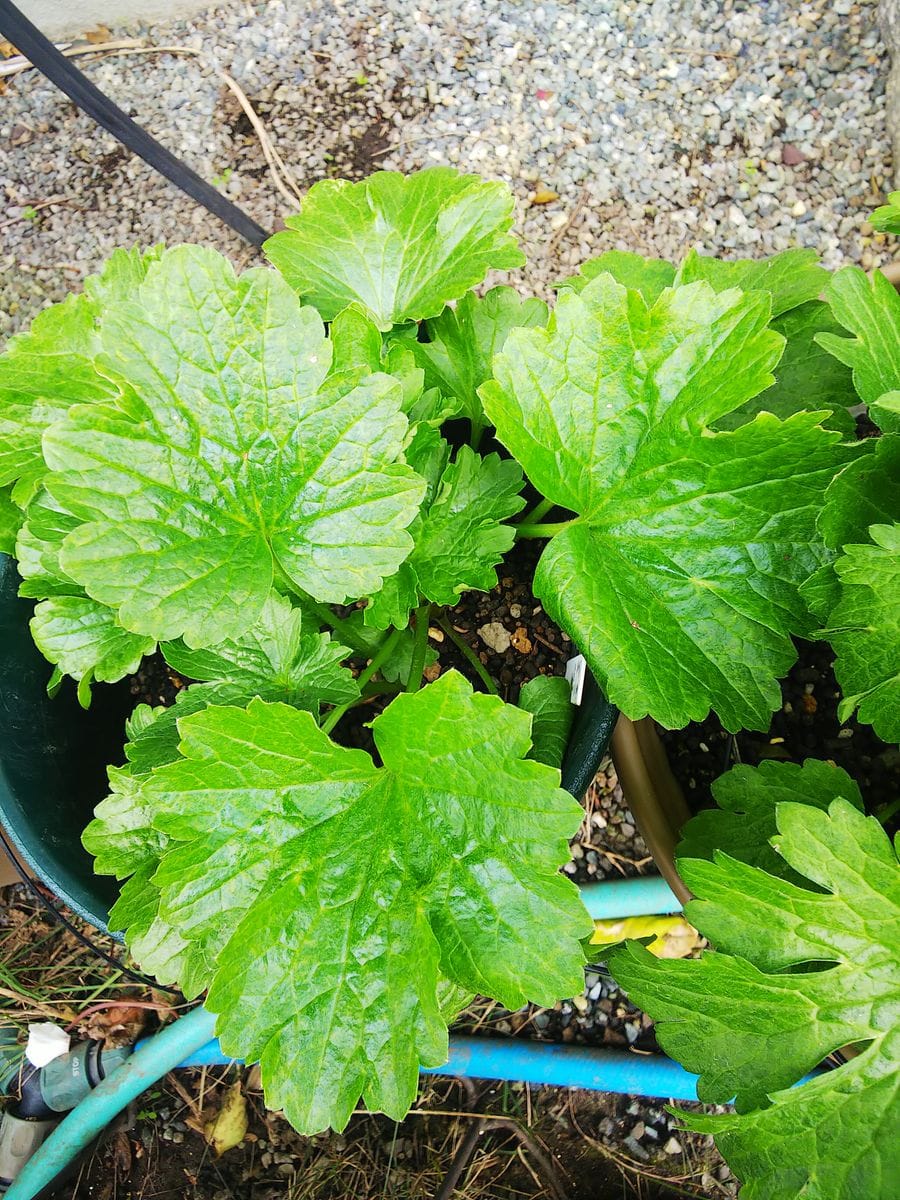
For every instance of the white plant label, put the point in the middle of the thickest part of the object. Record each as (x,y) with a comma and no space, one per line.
(575,672)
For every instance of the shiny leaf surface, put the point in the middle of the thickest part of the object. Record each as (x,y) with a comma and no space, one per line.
(403,246)
(752,1020)
(227,456)
(678,579)
(323,896)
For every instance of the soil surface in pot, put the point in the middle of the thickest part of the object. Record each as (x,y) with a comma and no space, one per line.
(806,726)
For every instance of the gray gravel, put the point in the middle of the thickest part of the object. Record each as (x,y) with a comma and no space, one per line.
(737,126)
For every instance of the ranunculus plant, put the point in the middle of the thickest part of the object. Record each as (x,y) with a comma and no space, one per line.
(216,465)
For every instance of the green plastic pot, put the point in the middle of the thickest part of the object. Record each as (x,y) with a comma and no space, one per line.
(54,755)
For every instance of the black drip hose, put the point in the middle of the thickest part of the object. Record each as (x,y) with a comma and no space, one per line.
(29,40)
(62,919)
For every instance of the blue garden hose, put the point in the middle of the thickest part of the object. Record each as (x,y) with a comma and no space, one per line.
(510,1059)
(188,1042)
(641,896)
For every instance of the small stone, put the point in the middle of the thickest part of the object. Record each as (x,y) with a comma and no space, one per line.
(436,635)
(515,611)
(799,209)
(791,156)
(672,1146)
(496,636)
(581,1003)
(521,640)
(638,1132)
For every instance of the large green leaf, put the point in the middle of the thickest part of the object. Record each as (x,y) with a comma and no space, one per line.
(323,896)
(864,631)
(403,246)
(791,278)
(459,535)
(463,341)
(228,456)
(807,377)
(51,366)
(275,659)
(649,276)
(870,309)
(744,823)
(678,579)
(753,1017)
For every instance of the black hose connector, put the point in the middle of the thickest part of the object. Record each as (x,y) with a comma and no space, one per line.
(44,1094)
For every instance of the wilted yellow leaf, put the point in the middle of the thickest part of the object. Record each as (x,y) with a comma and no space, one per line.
(544,195)
(672,936)
(228,1127)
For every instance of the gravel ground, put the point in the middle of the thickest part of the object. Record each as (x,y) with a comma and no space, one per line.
(738,126)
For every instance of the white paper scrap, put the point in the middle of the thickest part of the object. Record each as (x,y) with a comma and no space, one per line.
(45,1042)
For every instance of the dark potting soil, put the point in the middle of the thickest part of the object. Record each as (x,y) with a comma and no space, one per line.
(806,726)
(535,646)
(155,682)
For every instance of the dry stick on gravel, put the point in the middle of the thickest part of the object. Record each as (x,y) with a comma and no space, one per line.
(12,66)
(278,169)
(557,237)
(52,202)
(281,176)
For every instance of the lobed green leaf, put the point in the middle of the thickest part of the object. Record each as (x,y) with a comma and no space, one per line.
(796,975)
(870,309)
(459,535)
(52,366)
(312,887)
(229,455)
(679,578)
(403,246)
(743,824)
(462,342)
(807,375)
(275,659)
(791,278)
(649,276)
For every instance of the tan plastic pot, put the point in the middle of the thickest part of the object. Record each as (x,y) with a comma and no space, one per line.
(652,793)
